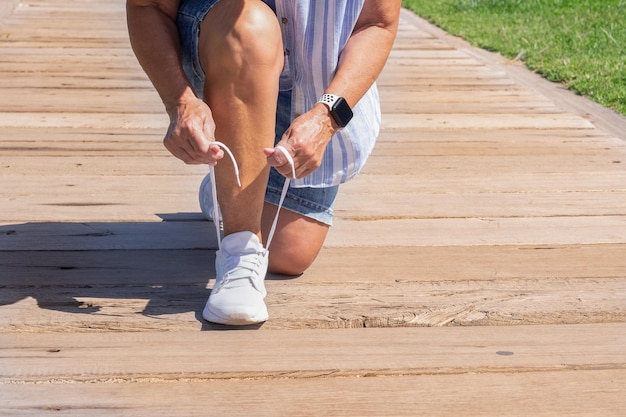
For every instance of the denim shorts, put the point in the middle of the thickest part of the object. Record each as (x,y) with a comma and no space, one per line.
(315,203)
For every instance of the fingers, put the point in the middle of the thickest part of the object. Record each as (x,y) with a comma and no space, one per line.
(216,154)
(277,157)
(290,161)
(191,133)
(281,158)
(193,150)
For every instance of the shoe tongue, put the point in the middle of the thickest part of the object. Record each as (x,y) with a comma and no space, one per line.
(242,243)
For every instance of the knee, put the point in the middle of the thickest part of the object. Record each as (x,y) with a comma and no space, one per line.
(257,32)
(241,33)
(297,242)
(291,261)
(288,266)
(259,24)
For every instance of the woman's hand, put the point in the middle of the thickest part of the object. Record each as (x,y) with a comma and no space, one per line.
(191,132)
(306,141)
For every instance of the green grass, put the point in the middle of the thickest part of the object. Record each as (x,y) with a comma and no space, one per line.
(580,43)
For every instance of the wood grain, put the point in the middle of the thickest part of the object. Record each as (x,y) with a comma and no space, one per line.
(476,266)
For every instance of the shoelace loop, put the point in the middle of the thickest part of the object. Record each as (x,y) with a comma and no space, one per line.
(250,263)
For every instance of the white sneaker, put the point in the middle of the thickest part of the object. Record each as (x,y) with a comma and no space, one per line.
(205,196)
(241,261)
(239,290)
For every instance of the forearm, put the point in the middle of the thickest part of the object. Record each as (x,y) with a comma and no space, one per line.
(154,39)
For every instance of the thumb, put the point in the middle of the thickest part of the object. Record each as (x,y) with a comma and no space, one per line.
(282,158)
(274,158)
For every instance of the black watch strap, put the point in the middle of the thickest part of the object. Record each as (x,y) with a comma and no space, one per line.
(339,108)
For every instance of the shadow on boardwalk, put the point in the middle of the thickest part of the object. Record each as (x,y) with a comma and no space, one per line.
(492,214)
(167,264)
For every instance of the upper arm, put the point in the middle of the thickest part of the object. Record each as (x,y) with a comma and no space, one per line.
(167,7)
(380,13)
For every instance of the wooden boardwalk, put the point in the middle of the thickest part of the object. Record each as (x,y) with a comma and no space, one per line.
(477,267)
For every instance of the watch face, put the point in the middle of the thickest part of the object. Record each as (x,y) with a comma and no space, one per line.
(342,112)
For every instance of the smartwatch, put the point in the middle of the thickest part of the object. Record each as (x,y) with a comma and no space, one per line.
(339,108)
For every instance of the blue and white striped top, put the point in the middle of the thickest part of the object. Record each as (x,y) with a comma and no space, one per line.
(314,34)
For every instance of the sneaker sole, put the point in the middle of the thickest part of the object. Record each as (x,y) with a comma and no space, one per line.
(234,320)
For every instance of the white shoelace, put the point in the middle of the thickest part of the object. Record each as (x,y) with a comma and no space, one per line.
(216,209)
(246,268)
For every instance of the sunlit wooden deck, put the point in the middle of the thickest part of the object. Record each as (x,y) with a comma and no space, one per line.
(477,267)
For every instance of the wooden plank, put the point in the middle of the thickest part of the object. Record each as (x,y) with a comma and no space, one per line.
(129,99)
(123,145)
(114,290)
(422,107)
(432,61)
(117,141)
(477,205)
(427,53)
(108,236)
(96,198)
(122,63)
(447,82)
(9,53)
(511,166)
(433,182)
(346,232)
(25,40)
(157,120)
(70,201)
(166,306)
(472,263)
(478,231)
(418,166)
(56,28)
(303,353)
(575,393)
(561,393)
(415,70)
(107,167)
(473,142)
(70,101)
(582,393)
(6,9)
(33,142)
(99,210)
(460,95)
(484,204)
(72,80)
(113,140)
(496,121)
(336,265)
